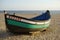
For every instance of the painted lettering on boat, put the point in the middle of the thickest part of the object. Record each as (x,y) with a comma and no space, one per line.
(14,18)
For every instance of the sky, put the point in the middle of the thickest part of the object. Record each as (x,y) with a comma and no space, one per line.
(29,4)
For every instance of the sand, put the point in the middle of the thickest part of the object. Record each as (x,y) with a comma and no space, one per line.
(52,33)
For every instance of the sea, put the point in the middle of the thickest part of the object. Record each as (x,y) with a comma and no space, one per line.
(30,11)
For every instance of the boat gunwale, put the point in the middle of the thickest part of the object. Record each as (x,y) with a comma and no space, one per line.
(25,18)
(27,22)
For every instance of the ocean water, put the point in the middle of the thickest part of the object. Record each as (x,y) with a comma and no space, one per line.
(32,12)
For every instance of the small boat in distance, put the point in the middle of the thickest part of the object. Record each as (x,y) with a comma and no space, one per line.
(19,24)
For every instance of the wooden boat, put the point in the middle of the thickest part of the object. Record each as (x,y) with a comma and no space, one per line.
(20,24)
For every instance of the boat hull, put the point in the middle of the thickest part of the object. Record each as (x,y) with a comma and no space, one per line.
(18,26)
(21,24)
(17,29)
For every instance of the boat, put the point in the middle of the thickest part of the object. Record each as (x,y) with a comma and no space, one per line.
(19,24)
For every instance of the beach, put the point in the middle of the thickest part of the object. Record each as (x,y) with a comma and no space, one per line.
(52,33)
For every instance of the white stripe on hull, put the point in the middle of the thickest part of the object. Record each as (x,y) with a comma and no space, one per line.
(32,22)
(27,21)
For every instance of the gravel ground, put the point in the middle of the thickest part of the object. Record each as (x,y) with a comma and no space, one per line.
(52,33)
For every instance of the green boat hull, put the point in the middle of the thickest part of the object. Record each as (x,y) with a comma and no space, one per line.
(22,27)
(26,25)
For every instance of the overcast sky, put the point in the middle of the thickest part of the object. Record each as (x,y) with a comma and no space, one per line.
(29,4)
